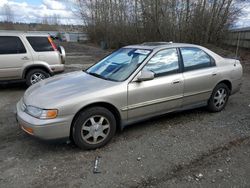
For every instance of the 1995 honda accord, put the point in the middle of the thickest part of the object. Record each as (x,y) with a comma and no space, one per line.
(131,84)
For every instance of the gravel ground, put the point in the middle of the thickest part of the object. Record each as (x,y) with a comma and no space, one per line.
(193,148)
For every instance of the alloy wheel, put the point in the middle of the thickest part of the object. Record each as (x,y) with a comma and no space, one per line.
(220,98)
(95,129)
(37,77)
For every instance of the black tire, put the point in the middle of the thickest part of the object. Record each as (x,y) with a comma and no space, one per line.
(215,94)
(32,72)
(84,118)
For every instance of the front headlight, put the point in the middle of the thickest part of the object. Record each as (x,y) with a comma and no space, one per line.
(41,113)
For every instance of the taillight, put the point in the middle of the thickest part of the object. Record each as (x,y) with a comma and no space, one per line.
(52,43)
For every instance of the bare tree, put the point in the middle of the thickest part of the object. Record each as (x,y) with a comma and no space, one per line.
(8,14)
(54,20)
(132,21)
(45,20)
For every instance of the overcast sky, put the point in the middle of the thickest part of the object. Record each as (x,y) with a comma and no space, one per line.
(35,10)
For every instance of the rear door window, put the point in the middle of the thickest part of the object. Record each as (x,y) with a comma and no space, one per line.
(40,44)
(195,58)
(11,45)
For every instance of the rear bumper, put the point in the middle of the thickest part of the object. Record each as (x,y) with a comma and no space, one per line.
(236,86)
(53,129)
(57,68)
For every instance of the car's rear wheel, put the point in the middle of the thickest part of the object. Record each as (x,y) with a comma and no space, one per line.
(219,98)
(36,75)
(93,128)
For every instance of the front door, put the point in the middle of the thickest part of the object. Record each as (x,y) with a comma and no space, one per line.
(162,94)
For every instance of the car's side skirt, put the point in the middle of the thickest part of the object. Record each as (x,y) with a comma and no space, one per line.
(151,102)
(144,118)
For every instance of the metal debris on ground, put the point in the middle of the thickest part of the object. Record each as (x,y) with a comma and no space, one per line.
(198,176)
(96,167)
(139,158)
(219,170)
(228,159)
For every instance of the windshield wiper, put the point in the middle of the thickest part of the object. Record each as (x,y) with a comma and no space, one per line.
(97,75)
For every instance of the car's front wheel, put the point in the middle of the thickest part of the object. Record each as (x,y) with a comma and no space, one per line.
(219,98)
(93,128)
(36,75)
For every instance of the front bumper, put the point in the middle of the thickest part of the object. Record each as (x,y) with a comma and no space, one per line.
(52,129)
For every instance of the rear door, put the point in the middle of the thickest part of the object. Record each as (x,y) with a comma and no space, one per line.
(44,49)
(163,93)
(199,74)
(13,56)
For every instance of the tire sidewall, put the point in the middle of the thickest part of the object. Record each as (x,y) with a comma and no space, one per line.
(82,117)
(211,105)
(31,72)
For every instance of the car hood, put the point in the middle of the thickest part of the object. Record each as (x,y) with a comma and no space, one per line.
(64,87)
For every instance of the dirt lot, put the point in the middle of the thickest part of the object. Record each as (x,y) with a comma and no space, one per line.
(193,148)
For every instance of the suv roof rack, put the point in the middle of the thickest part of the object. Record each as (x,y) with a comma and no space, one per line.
(156,43)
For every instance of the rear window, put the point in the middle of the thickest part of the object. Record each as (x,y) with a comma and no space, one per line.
(11,45)
(40,44)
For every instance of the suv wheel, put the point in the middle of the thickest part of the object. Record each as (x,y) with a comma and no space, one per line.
(36,75)
(94,128)
(219,98)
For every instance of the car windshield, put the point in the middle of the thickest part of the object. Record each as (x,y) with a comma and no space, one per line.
(119,65)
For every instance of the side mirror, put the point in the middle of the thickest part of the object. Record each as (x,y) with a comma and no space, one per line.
(145,75)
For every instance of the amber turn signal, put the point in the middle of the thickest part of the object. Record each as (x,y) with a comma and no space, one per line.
(27,130)
(51,114)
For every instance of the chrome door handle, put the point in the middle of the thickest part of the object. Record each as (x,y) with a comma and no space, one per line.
(214,74)
(176,82)
(25,58)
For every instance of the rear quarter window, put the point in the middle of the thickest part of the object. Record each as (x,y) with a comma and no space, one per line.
(40,44)
(11,45)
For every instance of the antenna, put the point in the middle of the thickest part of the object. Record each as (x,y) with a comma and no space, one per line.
(237,47)
(238,42)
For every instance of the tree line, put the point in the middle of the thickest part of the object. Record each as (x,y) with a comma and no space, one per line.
(120,22)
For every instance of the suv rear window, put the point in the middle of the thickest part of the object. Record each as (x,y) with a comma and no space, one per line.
(40,44)
(11,45)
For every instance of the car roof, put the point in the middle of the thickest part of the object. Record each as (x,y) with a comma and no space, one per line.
(22,33)
(156,46)
(160,45)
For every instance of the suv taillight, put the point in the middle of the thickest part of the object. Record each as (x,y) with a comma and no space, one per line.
(52,43)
